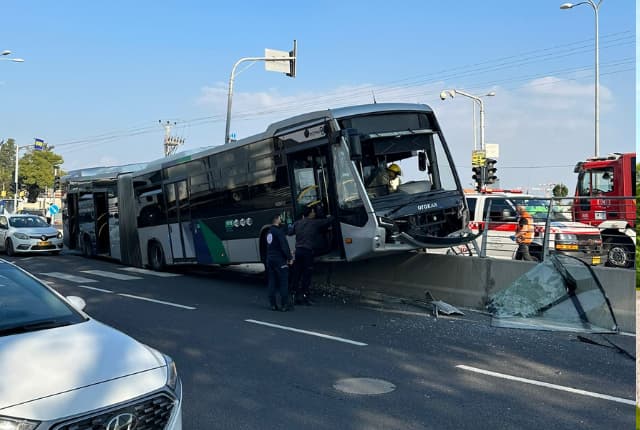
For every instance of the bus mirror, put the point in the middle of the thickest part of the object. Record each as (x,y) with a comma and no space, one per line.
(422,161)
(353,139)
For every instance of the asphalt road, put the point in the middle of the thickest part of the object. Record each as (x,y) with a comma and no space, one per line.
(240,374)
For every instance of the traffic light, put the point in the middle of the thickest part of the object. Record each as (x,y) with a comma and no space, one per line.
(12,187)
(491,171)
(56,183)
(477,177)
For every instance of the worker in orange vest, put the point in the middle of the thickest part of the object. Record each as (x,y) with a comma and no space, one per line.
(524,234)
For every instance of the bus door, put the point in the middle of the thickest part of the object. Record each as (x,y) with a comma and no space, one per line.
(179,220)
(70,221)
(358,228)
(310,179)
(101,207)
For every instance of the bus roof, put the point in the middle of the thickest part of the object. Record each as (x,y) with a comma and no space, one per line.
(96,173)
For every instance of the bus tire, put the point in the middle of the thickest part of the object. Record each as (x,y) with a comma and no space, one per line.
(618,254)
(156,257)
(8,248)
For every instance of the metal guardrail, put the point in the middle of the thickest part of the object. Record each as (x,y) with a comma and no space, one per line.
(598,231)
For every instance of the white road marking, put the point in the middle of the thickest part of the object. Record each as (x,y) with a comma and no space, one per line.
(149,272)
(94,288)
(67,277)
(118,276)
(547,385)
(191,308)
(311,333)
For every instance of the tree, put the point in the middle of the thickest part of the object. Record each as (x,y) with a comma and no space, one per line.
(560,190)
(7,163)
(37,170)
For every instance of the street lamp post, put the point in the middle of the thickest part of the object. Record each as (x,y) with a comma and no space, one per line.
(596,7)
(15,178)
(289,57)
(478,99)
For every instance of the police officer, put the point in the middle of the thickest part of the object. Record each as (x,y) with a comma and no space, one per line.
(278,261)
(309,233)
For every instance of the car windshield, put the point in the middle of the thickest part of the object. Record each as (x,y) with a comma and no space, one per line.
(27,221)
(27,305)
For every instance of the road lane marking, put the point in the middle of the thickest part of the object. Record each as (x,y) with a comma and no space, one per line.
(547,385)
(112,275)
(102,290)
(67,277)
(149,272)
(191,308)
(311,333)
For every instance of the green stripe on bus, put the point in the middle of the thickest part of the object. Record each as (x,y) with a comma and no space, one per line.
(216,248)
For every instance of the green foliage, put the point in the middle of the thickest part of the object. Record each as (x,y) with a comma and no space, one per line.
(560,190)
(7,163)
(37,170)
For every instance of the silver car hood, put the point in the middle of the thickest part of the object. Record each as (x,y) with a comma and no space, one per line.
(61,372)
(33,231)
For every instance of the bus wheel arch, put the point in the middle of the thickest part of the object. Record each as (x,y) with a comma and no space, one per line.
(155,255)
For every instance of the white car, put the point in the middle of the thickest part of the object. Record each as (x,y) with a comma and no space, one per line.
(62,370)
(28,233)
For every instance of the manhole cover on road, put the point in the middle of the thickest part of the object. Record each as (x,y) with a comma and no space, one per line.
(367,386)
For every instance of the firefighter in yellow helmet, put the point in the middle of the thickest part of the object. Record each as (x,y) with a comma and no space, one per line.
(394,172)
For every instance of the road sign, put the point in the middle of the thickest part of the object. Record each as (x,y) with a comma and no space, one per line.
(493,150)
(277,66)
(478,157)
(38,145)
(54,209)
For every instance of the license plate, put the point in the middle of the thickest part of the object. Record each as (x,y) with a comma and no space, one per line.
(41,243)
(595,260)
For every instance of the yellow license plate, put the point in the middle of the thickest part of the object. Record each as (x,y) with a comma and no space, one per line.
(41,243)
(595,260)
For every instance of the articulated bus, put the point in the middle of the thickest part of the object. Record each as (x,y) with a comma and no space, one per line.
(214,206)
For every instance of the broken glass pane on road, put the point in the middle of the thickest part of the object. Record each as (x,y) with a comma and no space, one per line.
(560,294)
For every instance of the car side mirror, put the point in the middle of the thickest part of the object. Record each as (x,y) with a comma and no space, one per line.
(77,302)
(422,161)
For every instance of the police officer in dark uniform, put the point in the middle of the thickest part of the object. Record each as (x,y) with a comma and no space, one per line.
(278,261)
(309,233)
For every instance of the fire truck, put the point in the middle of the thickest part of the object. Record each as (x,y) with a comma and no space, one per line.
(604,198)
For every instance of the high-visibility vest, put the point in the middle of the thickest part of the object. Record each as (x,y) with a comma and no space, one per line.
(527,230)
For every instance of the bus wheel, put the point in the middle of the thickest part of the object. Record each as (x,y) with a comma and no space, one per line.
(8,247)
(156,257)
(618,255)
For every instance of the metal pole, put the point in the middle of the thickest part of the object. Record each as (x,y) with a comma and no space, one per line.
(482,148)
(597,114)
(232,77)
(475,129)
(15,177)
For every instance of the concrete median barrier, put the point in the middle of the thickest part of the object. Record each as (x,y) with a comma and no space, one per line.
(460,281)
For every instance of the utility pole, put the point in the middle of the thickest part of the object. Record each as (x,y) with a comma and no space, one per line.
(171,143)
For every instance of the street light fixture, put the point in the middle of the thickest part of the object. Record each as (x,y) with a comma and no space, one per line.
(477,99)
(282,56)
(596,7)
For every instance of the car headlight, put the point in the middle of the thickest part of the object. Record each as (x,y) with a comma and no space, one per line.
(15,424)
(59,235)
(20,236)
(172,374)
(566,237)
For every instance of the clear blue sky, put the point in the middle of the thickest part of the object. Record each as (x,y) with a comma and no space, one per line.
(113,69)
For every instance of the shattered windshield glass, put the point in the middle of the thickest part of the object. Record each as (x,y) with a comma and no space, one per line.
(560,294)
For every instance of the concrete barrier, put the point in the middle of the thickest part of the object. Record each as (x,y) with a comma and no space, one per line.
(461,281)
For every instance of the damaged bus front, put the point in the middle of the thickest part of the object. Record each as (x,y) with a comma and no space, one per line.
(426,207)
